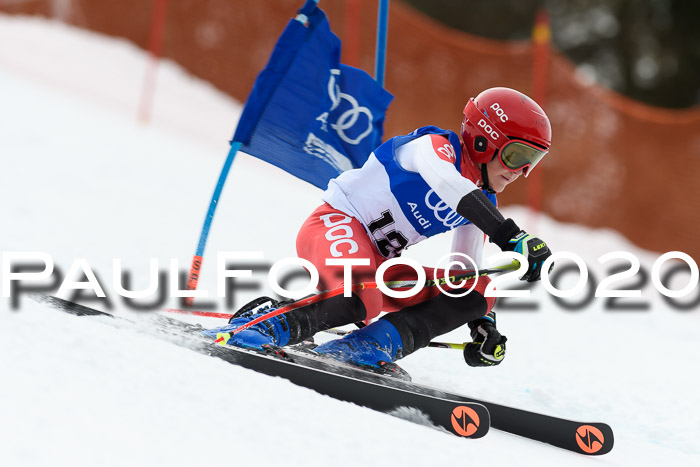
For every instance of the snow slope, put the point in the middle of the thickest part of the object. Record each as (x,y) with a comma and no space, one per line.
(81,177)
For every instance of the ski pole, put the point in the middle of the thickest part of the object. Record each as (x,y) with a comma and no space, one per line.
(373,285)
(390,284)
(337,332)
(440,345)
(208,314)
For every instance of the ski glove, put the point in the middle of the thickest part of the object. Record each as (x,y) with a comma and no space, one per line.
(489,346)
(509,237)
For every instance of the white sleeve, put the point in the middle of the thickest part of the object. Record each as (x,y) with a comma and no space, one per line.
(432,156)
(469,240)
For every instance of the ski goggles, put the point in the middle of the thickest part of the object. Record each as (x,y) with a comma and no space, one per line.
(514,154)
(518,154)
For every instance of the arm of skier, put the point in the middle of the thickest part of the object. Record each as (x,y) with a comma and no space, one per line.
(488,346)
(433,158)
(467,240)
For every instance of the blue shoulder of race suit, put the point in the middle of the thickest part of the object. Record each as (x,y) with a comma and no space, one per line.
(451,136)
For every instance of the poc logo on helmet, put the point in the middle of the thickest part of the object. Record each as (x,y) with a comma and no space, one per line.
(499,112)
(488,129)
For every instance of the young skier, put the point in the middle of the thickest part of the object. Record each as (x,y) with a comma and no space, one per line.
(413,187)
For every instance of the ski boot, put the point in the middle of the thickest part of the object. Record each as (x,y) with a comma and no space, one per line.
(269,334)
(373,348)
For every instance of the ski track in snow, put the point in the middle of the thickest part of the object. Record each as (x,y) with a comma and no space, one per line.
(83,178)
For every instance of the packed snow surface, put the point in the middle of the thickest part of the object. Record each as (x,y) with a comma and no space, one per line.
(82,177)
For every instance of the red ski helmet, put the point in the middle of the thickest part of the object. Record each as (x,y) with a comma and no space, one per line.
(507,122)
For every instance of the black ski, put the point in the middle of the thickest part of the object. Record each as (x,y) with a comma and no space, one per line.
(588,438)
(382,393)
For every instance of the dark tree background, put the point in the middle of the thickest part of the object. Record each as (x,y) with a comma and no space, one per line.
(648,50)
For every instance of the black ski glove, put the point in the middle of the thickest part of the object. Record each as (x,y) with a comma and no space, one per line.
(509,237)
(489,346)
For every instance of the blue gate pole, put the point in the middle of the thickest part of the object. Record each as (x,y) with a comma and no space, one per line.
(193,276)
(382,29)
